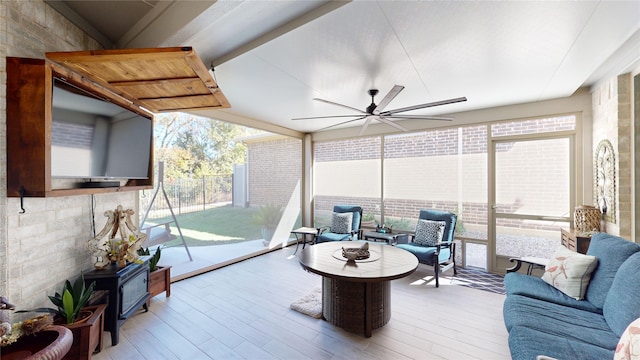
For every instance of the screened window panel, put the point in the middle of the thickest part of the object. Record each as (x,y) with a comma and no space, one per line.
(347,172)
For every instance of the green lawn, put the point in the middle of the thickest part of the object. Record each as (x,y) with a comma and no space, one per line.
(220,225)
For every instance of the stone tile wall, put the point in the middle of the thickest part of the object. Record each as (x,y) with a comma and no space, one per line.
(43,247)
(612,121)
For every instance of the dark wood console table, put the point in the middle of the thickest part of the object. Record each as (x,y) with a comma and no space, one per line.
(127,290)
(357,296)
(575,241)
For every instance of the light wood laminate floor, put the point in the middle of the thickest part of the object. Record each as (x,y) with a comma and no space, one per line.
(242,312)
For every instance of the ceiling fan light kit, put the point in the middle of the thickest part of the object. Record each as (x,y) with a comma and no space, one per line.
(375,112)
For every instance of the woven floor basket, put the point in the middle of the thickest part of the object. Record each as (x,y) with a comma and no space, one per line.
(587,218)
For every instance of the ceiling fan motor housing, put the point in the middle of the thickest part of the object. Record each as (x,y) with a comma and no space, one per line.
(372,107)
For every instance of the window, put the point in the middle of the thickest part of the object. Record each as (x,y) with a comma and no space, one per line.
(347,172)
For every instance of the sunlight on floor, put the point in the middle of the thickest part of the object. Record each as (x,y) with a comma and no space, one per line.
(203,236)
(442,280)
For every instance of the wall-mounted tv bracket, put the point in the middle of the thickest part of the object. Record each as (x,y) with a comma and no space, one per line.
(22,191)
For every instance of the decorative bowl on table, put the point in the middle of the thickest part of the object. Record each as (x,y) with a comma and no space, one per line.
(353,254)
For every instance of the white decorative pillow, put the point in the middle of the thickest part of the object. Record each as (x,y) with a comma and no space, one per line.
(429,232)
(629,345)
(341,223)
(570,272)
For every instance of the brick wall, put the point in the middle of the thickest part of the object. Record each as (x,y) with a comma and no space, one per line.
(426,170)
(344,150)
(472,214)
(275,168)
(533,126)
(46,245)
(69,134)
(430,143)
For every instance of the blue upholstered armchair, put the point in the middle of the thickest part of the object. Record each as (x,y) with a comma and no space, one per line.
(432,242)
(345,224)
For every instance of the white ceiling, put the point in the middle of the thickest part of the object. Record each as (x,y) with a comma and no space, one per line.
(271,58)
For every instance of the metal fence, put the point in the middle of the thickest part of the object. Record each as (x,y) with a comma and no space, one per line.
(187,195)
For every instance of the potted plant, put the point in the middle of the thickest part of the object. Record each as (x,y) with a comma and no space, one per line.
(268,217)
(86,322)
(159,276)
(368,221)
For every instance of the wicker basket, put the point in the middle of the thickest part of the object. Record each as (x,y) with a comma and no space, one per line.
(587,218)
(345,304)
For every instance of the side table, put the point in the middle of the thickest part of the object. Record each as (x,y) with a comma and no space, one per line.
(306,235)
(390,238)
(575,241)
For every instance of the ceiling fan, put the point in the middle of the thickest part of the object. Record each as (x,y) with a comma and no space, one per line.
(375,112)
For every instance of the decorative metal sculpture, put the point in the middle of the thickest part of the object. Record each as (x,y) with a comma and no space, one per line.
(604,180)
(122,242)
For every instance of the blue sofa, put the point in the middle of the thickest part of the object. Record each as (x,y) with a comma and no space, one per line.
(542,320)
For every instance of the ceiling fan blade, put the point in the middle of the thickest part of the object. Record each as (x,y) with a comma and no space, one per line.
(422,106)
(389,122)
(341,105)
(419,117)
(388,98)
(344,122)
(326,117)
(365,125)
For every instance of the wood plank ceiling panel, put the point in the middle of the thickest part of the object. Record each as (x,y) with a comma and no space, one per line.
(160,80)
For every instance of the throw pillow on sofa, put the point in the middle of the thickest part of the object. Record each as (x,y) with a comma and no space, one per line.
(629,346)
(570,272)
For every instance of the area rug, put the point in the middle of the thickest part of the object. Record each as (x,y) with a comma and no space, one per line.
(310,304)
(478,279)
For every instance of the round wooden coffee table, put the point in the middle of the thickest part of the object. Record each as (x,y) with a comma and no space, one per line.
(357,296)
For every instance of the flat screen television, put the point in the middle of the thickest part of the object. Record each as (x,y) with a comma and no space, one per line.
(94,139)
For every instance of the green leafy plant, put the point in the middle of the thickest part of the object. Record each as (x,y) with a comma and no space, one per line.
(73,299)
(368,217)
(153,261)
(397,223)
(268,216)
(70,302)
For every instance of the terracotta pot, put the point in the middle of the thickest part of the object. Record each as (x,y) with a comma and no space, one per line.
(52,343)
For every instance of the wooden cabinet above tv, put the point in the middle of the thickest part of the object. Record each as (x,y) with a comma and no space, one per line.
(160,80)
